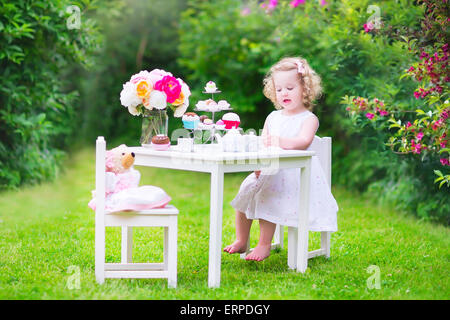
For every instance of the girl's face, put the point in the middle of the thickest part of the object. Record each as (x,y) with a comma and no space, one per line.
(288,89)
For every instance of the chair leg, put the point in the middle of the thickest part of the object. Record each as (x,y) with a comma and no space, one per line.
(325,242)
(99,253)
(127,244)
(166,248)
(172,253)
(292,247)
(279,236)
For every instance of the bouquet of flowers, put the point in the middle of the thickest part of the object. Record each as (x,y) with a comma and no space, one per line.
(155,90)
(148,94)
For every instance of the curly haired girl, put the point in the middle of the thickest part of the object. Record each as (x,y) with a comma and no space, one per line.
(292,86)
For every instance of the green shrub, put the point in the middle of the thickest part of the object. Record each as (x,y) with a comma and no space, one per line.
(37,46)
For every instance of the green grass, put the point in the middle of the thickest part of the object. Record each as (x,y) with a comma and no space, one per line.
(47,230)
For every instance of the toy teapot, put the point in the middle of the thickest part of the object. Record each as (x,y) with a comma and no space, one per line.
(233,141)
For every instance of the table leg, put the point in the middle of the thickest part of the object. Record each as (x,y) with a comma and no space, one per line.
(303,221)
(215,227)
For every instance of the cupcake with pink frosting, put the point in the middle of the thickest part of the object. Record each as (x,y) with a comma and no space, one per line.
(231,120)
(220,125)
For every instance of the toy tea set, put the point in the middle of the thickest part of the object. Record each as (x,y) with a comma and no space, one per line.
(231,141)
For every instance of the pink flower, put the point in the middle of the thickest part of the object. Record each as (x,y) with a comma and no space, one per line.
(295,3)
(435,125)
(424,55)
(445,162)
(419,136)
(323,3)
(141,76)
(272,4)
(383,113)
(246,11)
(408,125)
(368,27)
(417,94)
(170,86)
(417,148)
(269,6)
(369,115)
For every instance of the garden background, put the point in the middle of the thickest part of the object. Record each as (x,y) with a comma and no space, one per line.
(63,64)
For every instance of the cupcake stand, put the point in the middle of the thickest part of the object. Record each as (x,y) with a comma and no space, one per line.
(213,127)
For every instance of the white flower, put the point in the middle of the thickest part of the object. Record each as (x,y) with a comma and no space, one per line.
(133,110)
(181,109)
(158,100)
(143,75)
(128,96)
(184,88)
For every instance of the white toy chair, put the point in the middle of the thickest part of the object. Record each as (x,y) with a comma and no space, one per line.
(322,147)
(166,217)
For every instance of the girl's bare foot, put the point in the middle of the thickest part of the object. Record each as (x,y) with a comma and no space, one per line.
(260,253)
(236,247)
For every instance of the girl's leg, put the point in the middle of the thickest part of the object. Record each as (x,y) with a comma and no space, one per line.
(242,233)
(262,250)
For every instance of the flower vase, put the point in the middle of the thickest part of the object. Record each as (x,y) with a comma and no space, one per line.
(154,122)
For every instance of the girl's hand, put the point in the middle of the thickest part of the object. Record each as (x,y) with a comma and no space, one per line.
(270,140)
(257,173)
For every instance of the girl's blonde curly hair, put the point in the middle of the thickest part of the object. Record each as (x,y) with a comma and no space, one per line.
(309,80)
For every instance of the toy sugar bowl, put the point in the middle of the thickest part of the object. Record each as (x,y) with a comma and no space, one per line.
(232,141)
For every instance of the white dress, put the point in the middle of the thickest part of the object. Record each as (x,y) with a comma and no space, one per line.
(275,197)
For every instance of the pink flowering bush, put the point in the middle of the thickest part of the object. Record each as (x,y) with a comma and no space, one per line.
(425,136)
(423,132)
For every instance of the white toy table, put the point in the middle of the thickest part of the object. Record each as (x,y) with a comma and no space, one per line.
(209,159)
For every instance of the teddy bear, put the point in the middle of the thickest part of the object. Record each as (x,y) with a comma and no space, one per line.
(122,191)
